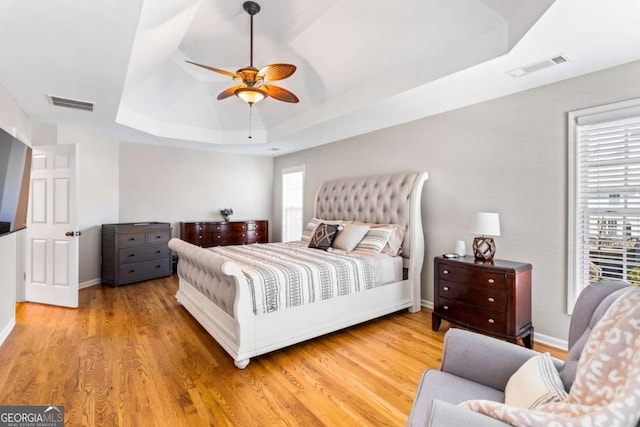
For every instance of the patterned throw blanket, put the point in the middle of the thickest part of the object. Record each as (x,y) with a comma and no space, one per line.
(606,391)
(283,275)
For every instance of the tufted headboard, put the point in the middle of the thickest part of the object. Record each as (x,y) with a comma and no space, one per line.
(381,199)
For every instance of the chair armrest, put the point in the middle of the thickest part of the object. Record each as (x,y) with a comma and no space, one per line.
(444,414)
(483,359)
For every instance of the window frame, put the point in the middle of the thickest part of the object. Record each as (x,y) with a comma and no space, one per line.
(608,113)
(284,208)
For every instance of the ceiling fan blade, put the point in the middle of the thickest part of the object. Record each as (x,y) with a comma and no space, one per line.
(275,72)
(231,91)
(279,93)
(217,70)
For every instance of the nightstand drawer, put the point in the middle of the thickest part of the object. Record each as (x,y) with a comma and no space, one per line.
(473,317)
(471,276)
(487,297)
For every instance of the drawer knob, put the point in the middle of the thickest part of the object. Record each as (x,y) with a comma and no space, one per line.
(446,307)
(132,255)
(491,321)
(132,238)
(158,252)
(446,288)
(158,266)
(491,299)
(491,281)
(445,272)
(132,271)
(158,237)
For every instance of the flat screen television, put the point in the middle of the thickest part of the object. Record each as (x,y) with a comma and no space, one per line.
(15,177)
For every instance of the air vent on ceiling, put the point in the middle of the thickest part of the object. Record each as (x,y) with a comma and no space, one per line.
(71,103)
(537,66)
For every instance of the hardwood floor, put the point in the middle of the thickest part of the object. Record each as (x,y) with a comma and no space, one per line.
(132,356)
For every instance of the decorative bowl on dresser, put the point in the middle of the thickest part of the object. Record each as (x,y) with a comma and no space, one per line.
(133,252)
(493,298)
(224,233)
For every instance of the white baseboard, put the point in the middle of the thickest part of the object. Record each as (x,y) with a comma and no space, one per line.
(89,283)
(538,337)
(7,330)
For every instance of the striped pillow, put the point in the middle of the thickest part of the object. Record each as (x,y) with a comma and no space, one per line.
(375,240)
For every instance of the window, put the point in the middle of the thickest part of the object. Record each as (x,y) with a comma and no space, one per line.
(292,193)
(604,195)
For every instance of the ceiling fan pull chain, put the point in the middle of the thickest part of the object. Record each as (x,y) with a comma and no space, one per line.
(250,116)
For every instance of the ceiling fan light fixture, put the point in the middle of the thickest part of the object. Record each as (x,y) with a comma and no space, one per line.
(250,95)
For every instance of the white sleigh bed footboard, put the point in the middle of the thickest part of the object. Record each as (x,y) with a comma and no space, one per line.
(217,294)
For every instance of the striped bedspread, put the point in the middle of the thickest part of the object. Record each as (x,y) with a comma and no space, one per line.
(285,275)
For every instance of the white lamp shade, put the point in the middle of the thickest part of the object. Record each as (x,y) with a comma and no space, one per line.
(485,224)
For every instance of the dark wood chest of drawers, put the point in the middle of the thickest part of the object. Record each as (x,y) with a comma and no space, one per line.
(133,252)
(207,234)
(493,298)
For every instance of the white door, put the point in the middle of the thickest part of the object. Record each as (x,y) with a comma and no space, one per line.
(52,240)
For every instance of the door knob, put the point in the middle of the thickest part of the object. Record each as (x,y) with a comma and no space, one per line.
(69,234)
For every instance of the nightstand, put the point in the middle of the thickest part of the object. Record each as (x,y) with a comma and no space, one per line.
(493,298)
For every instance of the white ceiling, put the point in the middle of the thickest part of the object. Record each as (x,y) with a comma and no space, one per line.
(362,65)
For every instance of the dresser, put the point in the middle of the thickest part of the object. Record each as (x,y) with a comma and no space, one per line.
(488,297)
(133,252)
(221,233)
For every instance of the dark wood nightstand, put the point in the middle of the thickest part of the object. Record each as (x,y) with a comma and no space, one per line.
(493,298)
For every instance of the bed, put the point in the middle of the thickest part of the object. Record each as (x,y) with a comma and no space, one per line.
(218,294)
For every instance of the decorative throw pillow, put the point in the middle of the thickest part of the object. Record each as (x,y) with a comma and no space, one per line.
(323,236)
(375,240)
(349,237)
(535,383)
(308,230)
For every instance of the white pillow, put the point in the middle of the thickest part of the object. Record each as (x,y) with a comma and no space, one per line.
(349,237)
(375,240)
(535,383)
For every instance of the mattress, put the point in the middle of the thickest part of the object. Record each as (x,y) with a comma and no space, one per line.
(283,275)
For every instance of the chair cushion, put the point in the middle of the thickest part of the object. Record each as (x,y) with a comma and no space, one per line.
(536,382)
(438,385)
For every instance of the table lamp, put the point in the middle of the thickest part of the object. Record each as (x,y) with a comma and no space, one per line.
(486,224)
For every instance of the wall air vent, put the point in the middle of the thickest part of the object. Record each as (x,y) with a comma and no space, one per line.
(71,103)
(537,66)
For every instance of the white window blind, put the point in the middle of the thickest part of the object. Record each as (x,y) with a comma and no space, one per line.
(606,199)
(292,196)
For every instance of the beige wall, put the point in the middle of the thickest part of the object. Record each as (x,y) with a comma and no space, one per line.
(172,185)
(507,155)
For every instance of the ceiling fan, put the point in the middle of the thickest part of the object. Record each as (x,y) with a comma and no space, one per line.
(253,88)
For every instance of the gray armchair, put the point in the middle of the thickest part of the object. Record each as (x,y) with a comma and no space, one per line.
(475,366)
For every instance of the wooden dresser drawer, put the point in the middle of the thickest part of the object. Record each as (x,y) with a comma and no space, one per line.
(472,276)
(131,239)
(156,237)
(474,317)
(487,297)
(142,253)
(145,269)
